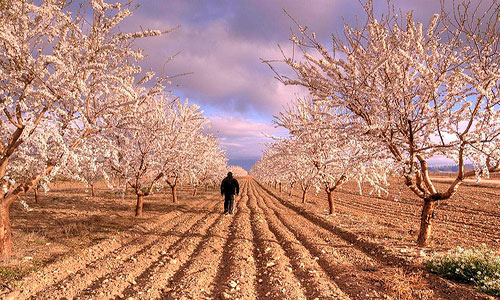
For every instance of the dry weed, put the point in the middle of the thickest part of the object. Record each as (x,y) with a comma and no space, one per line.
(74,229)
(407,286)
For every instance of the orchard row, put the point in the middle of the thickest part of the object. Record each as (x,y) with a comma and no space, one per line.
(385,98)
(75,102)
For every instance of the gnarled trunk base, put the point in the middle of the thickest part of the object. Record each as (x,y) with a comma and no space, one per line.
(304,196)
(5,234)
(426,222)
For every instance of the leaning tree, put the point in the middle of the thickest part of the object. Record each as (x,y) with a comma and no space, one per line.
(421,91)
(62,76)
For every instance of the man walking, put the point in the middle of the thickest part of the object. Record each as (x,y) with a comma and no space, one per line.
(228,188)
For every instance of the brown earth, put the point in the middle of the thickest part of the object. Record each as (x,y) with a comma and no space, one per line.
(469,219)
(271,248)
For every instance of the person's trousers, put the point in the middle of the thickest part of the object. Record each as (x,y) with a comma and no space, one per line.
(229,204)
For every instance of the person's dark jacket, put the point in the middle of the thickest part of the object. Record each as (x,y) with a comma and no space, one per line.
(229,186)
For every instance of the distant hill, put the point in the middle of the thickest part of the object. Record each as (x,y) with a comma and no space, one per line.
(449,168)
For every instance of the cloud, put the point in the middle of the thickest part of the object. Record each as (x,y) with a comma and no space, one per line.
(226,70)
(242,137)
(221,43)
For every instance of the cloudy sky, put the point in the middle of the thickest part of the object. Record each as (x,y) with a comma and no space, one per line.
(220,43)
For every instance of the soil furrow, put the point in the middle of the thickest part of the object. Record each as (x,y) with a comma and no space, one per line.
(70,286)
(413,206)
(469,215)
(457,226)
(152,281)
(194,280)
(371,249)
(483,227)
(236,275)
(305,265)
(442,288)
(58,271)
(276,278)
(112,285)
(447,218)
(445,213)
(353,271)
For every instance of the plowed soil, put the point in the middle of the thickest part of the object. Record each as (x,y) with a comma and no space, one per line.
(271,248)
(471,218)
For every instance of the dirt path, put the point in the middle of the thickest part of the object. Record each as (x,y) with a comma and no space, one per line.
(267,250)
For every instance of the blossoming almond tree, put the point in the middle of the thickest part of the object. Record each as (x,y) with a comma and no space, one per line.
(218,170)
(335,147)
(287,158)
(420,91)
(207,163)
(277,168)
(304,170)
(91,164)
(211,166)
(189,126)
(61,77)
(150,139)
(262,170)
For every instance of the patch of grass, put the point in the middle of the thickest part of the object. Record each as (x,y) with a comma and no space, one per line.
(9,274)
(480,267)
(38,263)
(12,273)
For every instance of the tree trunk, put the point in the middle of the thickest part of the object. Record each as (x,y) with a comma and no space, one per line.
(36,195)
(138,207)
(281,188)
(92,191)
(5,234)
(304,192)
(174,193)
(195,191)
(206,188)
(275,185)
(426,222)
(331,205)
